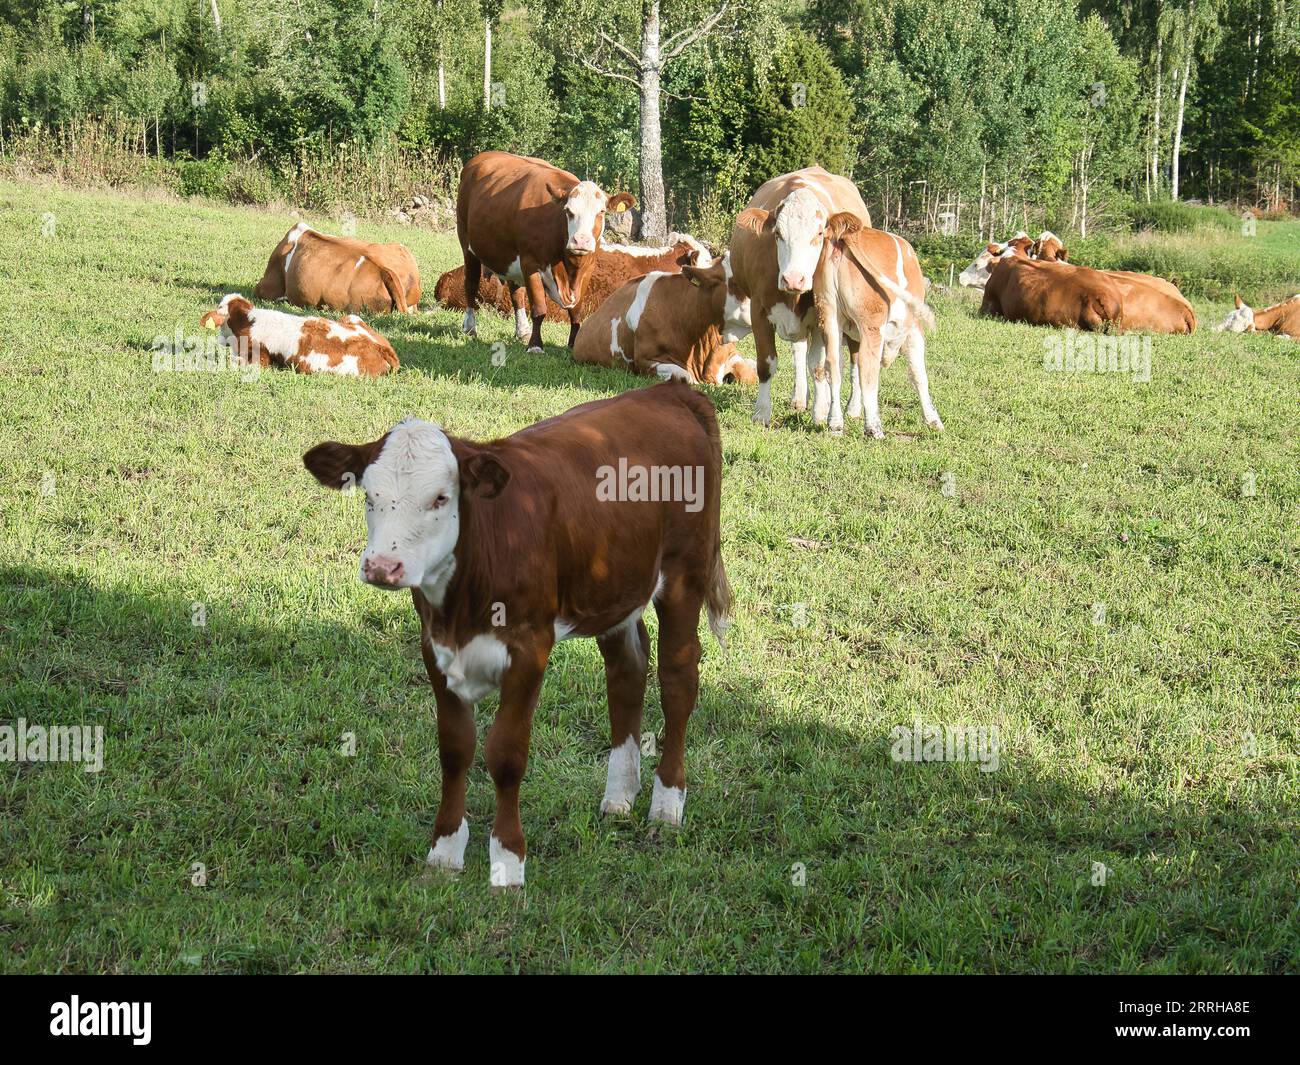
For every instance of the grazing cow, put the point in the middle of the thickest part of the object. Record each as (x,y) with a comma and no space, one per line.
(666,324)
(310,269)
(1021,289)
(568,528)
(1282,318)
(776,249)
(535,226)
(309,345)
(613,264)
(870,288)
(977,274)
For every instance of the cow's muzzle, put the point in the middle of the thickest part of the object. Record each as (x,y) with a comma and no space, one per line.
(383,571)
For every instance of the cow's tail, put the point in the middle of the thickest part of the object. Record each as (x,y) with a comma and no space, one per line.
(396,290)
(923,315)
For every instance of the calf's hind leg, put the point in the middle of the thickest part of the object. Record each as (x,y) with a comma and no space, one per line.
(626,651)
(473,275)
(679,685)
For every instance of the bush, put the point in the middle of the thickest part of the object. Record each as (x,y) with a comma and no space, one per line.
(1174,216)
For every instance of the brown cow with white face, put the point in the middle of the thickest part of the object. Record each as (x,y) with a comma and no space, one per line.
(533,225)
(571,527)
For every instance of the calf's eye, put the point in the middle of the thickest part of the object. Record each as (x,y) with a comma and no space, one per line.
(438,502)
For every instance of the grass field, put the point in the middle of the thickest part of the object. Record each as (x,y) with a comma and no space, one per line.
(1078,560)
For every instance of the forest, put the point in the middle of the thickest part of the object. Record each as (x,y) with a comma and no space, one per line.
(953,116)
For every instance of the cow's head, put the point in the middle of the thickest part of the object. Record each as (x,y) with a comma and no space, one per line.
(1049,248)
(799,226)
(415,488)
(1241,319)
(232,311)
(737,319)
(584,207)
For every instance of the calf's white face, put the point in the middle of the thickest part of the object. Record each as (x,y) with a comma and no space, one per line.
(412,492)
(584,214)
(1241,319)
(800,232)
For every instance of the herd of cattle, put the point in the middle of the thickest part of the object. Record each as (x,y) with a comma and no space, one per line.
(804,264)
(504,545)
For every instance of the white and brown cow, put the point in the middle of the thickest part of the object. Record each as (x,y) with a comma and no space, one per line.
(311,269)
(1282,318)
(977,274)
(775,252)
(612,266)
(536,227)
(262,337)
(571,527)
(871,289)
(666,324)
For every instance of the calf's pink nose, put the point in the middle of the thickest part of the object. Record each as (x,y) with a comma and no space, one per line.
(383,570)
(582,242)
(794,282)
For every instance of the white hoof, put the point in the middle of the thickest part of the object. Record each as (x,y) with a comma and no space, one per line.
(623,781)
(534,351)
(448,852)
(667,804)
(507,869)
(876,432)
(935,423)
(470,324)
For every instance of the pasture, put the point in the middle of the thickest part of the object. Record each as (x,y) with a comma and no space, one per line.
(1103,568)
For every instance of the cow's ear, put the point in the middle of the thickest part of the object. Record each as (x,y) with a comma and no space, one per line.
(1237,301)
(703,276)
(620,202)
(994,249)
(1063,254)
(842,224)
(556,193)
(213,319)
(338,465)
(753,219)
(483,475)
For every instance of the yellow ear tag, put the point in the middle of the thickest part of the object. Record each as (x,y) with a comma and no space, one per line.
(209,324)
(620,208)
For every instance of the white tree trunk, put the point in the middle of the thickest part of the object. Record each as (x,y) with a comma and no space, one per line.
(487,64)
(1155,121)
(1178,126)
(654,223)
(216,15)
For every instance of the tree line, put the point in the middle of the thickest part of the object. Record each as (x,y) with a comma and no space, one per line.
(951,115)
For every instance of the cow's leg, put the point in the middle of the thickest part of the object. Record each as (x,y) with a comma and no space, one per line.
(765,344)
(573,327)
(916,369)
(626,651)
(679,684)
(869,372)
(456,740)
(855,395)
(473,275)
(506,752)
(537,306)
(799,354)
(518,298)
(827,407)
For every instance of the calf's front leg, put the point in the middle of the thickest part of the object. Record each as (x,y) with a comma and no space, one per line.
(536,305)
(765,345)
(456,741)
(506,752)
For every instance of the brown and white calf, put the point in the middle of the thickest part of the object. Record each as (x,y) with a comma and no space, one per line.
(535,226)
(1282,318)
(666,324)
(869,288)
(310,269)
(264,337)
(775,252)
(613,265)
(571,527)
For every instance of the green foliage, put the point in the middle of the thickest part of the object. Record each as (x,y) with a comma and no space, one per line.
(1174,216)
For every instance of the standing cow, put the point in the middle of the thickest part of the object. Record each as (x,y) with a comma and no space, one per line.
(535,226)
(571,527)
(776,248)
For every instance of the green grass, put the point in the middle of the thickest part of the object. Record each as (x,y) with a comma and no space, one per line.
(1127,742)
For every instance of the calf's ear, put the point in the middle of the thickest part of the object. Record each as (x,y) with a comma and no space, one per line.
(483,475)
(842,224)
(1063,254)
(338,465)
(703,276)
(1237,298)
(620,202)
(753,218)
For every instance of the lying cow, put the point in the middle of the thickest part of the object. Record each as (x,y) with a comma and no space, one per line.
(776,249)
(613,264)
(535,226)
(666,324)
(568,528)
(1282,318)
(1021,289)
(977,274)
(308,345)
(310,269)
(870,288)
